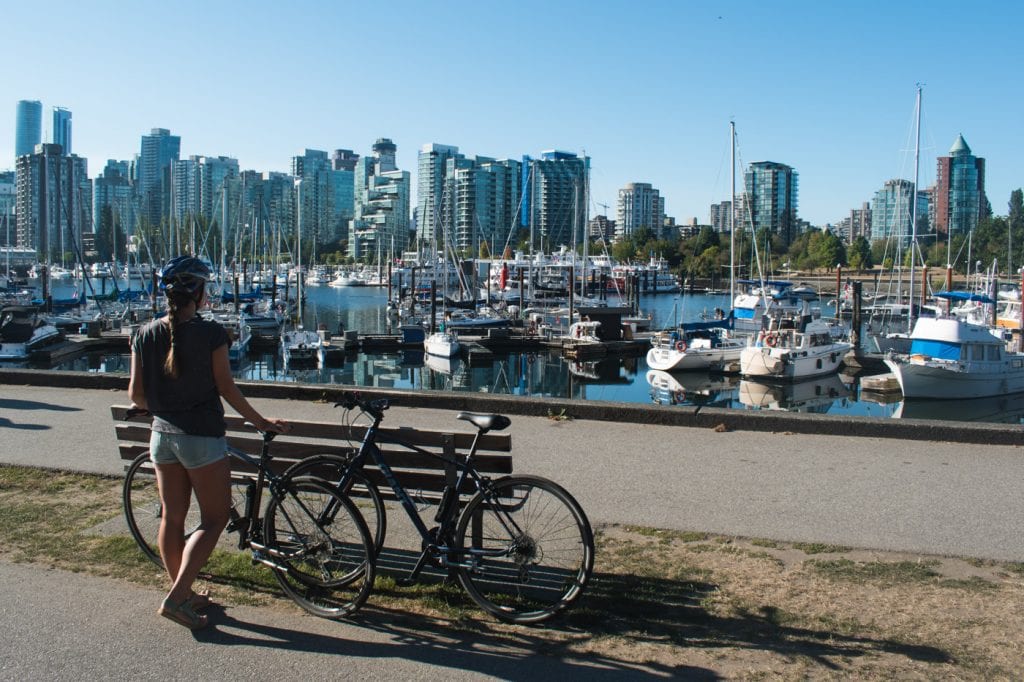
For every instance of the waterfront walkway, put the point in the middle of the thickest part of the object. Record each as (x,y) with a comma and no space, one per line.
(913,494)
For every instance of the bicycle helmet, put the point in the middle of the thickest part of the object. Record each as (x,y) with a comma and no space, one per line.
(185,274)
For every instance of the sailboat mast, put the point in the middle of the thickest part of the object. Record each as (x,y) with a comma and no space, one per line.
(732,216)
(913,210)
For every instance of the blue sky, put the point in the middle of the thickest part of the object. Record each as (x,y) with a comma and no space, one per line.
(647,89)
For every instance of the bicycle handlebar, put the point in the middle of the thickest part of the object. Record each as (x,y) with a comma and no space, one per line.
(352,400)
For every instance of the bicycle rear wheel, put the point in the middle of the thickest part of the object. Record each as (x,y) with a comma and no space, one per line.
(526,549)
(331,468)
(324,562)
(143,510)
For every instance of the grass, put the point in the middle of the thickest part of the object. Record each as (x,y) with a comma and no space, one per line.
(670,600)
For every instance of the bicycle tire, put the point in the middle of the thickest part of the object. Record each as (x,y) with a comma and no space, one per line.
(539,546)
(143,510)
(373,511)
(328,570)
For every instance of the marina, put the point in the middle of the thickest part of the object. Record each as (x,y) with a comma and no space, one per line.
(370,350)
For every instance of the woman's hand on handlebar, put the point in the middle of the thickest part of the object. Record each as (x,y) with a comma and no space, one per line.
(274,426)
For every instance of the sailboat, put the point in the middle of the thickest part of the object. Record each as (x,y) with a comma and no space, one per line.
(442,343)
(300,346)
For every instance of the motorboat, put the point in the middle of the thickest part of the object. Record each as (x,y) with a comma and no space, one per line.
(951,358)
(795,348)
(300,347)
(699,345)
(584,331)
(22,332)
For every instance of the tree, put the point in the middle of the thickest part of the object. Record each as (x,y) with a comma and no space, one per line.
(859,254)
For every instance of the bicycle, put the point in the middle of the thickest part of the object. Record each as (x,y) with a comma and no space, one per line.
(324,563)
(522,546)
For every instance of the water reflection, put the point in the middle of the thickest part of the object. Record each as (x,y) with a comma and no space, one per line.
(691,388)
(817,395)
(1005,409)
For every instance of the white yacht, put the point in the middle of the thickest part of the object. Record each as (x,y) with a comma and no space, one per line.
(795,348)
(954,359)
(696,346)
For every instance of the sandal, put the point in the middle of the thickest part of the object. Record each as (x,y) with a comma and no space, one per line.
(182,614)
(200,600)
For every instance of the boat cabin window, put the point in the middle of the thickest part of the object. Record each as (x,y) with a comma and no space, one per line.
(944,350)
(993,352)
(977,351)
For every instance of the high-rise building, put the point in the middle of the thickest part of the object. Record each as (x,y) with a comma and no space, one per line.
(719,218)
(112,191)
(29,127)
(639,206)
(860,222)
(344,159)
(772,196)
(960,200)
(62,128)
(8,193)
(892,211)
(381,222)
(487,196)
(432,186)
(201,187)
(159,149)
(554,189)
(600,227)
(54,202)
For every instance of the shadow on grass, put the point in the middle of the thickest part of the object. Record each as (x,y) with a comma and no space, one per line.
(643,609)
(637,611)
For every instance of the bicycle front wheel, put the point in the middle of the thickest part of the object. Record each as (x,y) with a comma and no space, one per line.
(526,549)
(331,468)
(322,559)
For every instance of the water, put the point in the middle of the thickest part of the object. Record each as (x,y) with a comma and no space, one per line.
(550,375)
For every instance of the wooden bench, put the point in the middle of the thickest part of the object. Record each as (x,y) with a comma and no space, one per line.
(423,476)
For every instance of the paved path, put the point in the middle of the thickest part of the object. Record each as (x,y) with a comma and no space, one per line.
(108,630)
(917,496)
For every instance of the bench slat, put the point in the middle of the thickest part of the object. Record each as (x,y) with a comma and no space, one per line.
(493,442)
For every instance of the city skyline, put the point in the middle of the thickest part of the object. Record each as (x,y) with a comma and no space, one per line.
(651,105)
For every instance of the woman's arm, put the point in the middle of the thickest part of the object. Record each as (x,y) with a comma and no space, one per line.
(229,391)
(136,389)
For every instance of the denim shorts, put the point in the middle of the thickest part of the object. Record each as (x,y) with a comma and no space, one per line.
(191,452)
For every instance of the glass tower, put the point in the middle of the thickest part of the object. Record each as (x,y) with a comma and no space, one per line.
(62,128)
(29,131)
(771,190)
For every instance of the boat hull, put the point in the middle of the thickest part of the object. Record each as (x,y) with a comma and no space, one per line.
(790,364)
(930,379)
(667,359)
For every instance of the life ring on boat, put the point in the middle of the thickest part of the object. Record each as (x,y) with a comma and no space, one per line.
(771,339)
(680,346)
(529,359)
(679,396)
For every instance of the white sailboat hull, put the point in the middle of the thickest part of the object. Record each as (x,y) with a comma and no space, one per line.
(441,344)
(667,359)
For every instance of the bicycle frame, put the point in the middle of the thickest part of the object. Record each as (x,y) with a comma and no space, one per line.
(448,507)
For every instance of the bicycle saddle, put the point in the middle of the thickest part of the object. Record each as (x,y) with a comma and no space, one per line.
(485,422)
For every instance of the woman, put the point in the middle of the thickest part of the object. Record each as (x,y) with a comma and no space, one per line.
(179,372)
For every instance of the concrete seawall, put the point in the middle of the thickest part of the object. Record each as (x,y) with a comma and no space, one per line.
(632,413)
